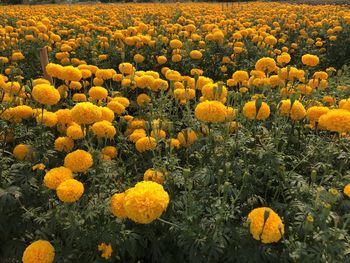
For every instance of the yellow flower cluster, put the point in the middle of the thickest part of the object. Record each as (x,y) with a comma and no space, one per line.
(143,203)
(39,251)
(265,225)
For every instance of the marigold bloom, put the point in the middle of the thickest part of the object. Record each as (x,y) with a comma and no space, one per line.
(40,251)
(196,54)
(46,94)
(265,64)
(104,129)
(117,205)
(315,112)
(347,190)
(106,250)
(211,111)
(70,191)
(265,225)
(78,161)
(145,144)
(249,111)
(126,68)
(187,137)
(310,60)
(64,144)
(337,120)
(54,177)
(153,175)
(98,93)
(145,202)
(86,113)
(296,112)
(21,151)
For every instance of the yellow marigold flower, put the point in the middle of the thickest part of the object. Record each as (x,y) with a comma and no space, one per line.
(249,111)
(117,205)
(337,120)
(17,56)
(106,250)
(153,175)
(48,119)
(54,177)
(54,70)
(64,144)
(126,68)
(161,60)
(240,76)
(176,58)
(196,54)
(321,75)
(175,43)
(21,152)
(296,112)
(86,113)
(145,144)
(78,161)
(310,60)
(145,202)
(23,112)
(158,134)
(265,225)
(347,190)
(75,85)
(46,94)
(138,58)
(143,99)
(107,114)
(40,81)
(105,74)
(174,143)
(122,100)
(315,112)
(111,151)
(70,191)
(214,92)
(284,58)
(75,132)
(64,116)
(211,111)
(116,107)
(39,166)
(187,137)
(265,64)
(137,134)
(270,40)
(40,251)
(104,129)
(71,73)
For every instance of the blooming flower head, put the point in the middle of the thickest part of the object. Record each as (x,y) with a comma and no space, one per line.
(70,191)
(145,202)
(46,94)
(54,177)
(296,112)
(78,161)
(86,113)
(153,175)
(117,205)
(337,120)
(146,144)
(347,190)
(106,250)
(249,111)
(211,111)
(265,225)
(315,112)
(21,151)
(40,251)
(310,60)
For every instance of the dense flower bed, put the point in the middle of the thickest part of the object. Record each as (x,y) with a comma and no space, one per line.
(175,132)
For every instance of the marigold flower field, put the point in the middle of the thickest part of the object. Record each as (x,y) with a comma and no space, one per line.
(182,132)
